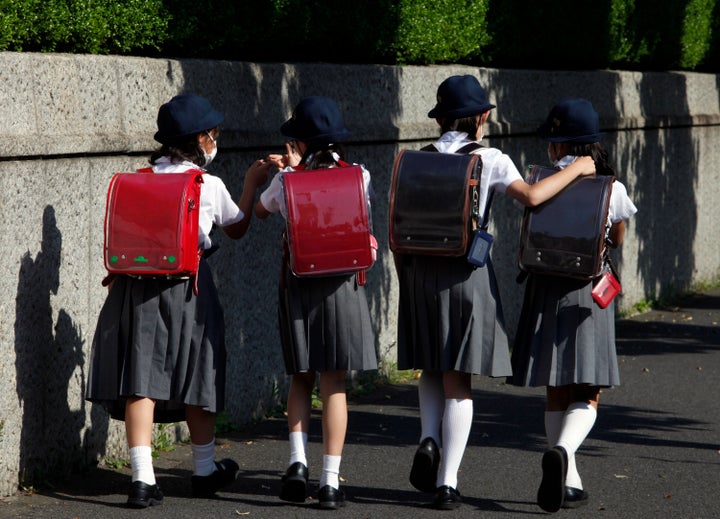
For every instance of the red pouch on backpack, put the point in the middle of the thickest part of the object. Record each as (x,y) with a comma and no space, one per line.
(605,289)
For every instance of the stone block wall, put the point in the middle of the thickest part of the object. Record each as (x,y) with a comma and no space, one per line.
(69,122)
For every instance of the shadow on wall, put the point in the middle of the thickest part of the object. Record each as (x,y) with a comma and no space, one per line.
(667,218)
(48,354)
(256,100)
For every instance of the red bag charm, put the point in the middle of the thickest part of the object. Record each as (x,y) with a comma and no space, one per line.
(606,288)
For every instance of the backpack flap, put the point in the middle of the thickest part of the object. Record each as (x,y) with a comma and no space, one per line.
(328,227)
(430,202)
(565,236)
(151,224)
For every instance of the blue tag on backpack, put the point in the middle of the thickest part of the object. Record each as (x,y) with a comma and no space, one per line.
(480,248)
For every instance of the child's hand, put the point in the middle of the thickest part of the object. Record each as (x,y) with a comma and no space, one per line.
(258,172)
(290,158)
(586,165)
(278,160)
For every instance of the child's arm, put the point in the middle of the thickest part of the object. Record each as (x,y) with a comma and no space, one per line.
(617,234)
(534,194)
(255,177)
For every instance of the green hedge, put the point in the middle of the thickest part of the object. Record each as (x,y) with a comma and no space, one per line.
(553,34)
(82,26)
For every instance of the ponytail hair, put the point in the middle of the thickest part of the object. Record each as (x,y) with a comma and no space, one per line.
(320,155)
(598,154)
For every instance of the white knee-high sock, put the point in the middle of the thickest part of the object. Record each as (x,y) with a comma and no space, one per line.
(577,424)
(331,471)
(573,476)
(141,464)
(298,447)
(204,458)
(456,425)
(431,397)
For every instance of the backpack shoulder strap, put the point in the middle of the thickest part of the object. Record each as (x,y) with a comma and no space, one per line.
(468,148)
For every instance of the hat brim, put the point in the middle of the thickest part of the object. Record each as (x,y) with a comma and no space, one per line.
(579,139)
(458,113)
(288,129)
(212,119)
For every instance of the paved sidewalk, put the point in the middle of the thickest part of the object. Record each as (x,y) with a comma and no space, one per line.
(654,452)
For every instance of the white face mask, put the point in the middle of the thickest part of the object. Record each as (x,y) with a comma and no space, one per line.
(209,156)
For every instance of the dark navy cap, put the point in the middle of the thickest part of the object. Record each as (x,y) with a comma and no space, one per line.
(185,115)
(316,119)
(460,96)
(571,120)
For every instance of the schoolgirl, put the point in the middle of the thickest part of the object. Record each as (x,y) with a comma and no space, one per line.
(450,321)
(158,353)
(324,321)
(564,340)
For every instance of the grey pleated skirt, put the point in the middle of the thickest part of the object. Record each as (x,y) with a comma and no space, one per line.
(563,337)
(156,339)
(450,317)
(325,324)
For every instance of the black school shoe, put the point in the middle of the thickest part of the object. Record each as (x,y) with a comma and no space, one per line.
(447,498)
(294,483)
(143,495)
(423,474)
(331,498)
(575,497)
(551,493)
(206,486)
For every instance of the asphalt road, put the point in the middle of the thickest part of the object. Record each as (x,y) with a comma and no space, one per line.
(654,451)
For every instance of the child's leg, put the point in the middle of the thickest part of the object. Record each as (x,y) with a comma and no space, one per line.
(334,424)
(209,476)
(431,397)
(138,429)
(202,437)
(298,409)
(456,424)
(144,490)
(578,421)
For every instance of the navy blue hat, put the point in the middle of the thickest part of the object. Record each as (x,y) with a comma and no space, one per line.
(460,96)
(316,119)
(185,115)
(571,120)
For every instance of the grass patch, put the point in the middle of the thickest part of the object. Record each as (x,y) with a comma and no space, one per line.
(116,463)
(670,297)
(223,424)
(163,441)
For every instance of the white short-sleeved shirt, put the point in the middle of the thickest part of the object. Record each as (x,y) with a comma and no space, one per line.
(498,170)
(621,207)
(216,204)
(273,198)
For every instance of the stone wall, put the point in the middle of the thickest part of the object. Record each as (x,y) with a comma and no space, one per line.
(68,122)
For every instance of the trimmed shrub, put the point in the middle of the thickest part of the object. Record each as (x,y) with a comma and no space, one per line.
(549,34)
(82,26)
(440,31)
